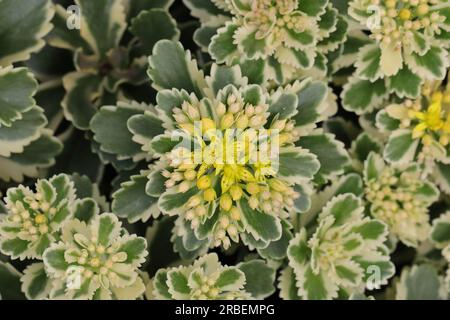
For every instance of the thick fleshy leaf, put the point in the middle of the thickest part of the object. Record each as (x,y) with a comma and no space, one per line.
(330,152)
(137,6)
(405,83)
(401,147)
(310,98)
(154,25)
(171,66)
(23,131)
(110,130)
(135,248)
(177,282)
(441,175)
(102,24)
(85,209)
(440,234)
(431,66)
(222,76)
(23,25)
(160,287)
(312,7)
(204,10)
(39,154)
(259,278)
(363,145)
(230,279)
(362,96)
(172,201)
(17,87)
(79,103)
(132,202)
(297,164)
(260,225)
(283,105)
(368,64)
(105,227)
(10,282)
(144,128)
(222,47)
(277,250)
(35,283)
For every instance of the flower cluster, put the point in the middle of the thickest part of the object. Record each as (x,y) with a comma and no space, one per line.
(286,39)
(34,219)
(404,30)
(206,279)
(96,261)
(338,256)
(399,198)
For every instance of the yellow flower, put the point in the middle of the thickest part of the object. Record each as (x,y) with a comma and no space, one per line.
(431,119)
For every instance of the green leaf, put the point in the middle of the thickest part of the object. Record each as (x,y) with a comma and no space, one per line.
(312,7)
(363,96)
(54,259)
(440,233)
(17,87)
(160,287)
(132,202)
(259,278)
(103,23)
(310,98)
(277,250)
(154,25)
(35,283)
(363,145)
(421,282)
(135,248)
(283,105)
(385,122)
(10,282)
(86,209)
(145,127)
(39,154)
(172,201)
(110,129)
(297,164)
(23,131)
(23,25)
(368,64)
(82,88)
(204,10)
(405,83)
(222,47)
(260,225)
(106,228)
(230,279)
(317,286)
(171,67)
(248,44)
(344,208)
(178,284)
(442,176)
(137,6)
(222,76)
(431,66)
(330,152)
(401,147)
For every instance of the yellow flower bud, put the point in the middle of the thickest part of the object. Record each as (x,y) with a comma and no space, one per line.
(204,182)
(236,192)
(226,202)
(242,122)
(235,214)
(188,127)
(277,185)
(226,121)
(208,124)
(190,175)
(405,14)
(253,188)
(209,195)
(423,9)
(40,219)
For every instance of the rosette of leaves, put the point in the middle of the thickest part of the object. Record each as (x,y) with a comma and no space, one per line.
(274,40)
(26,146)
(418,130)
(217,204)
(341,257)
(109,50)
(399,197)
(208,279)
(34,219)
(95,260)
(410,45)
